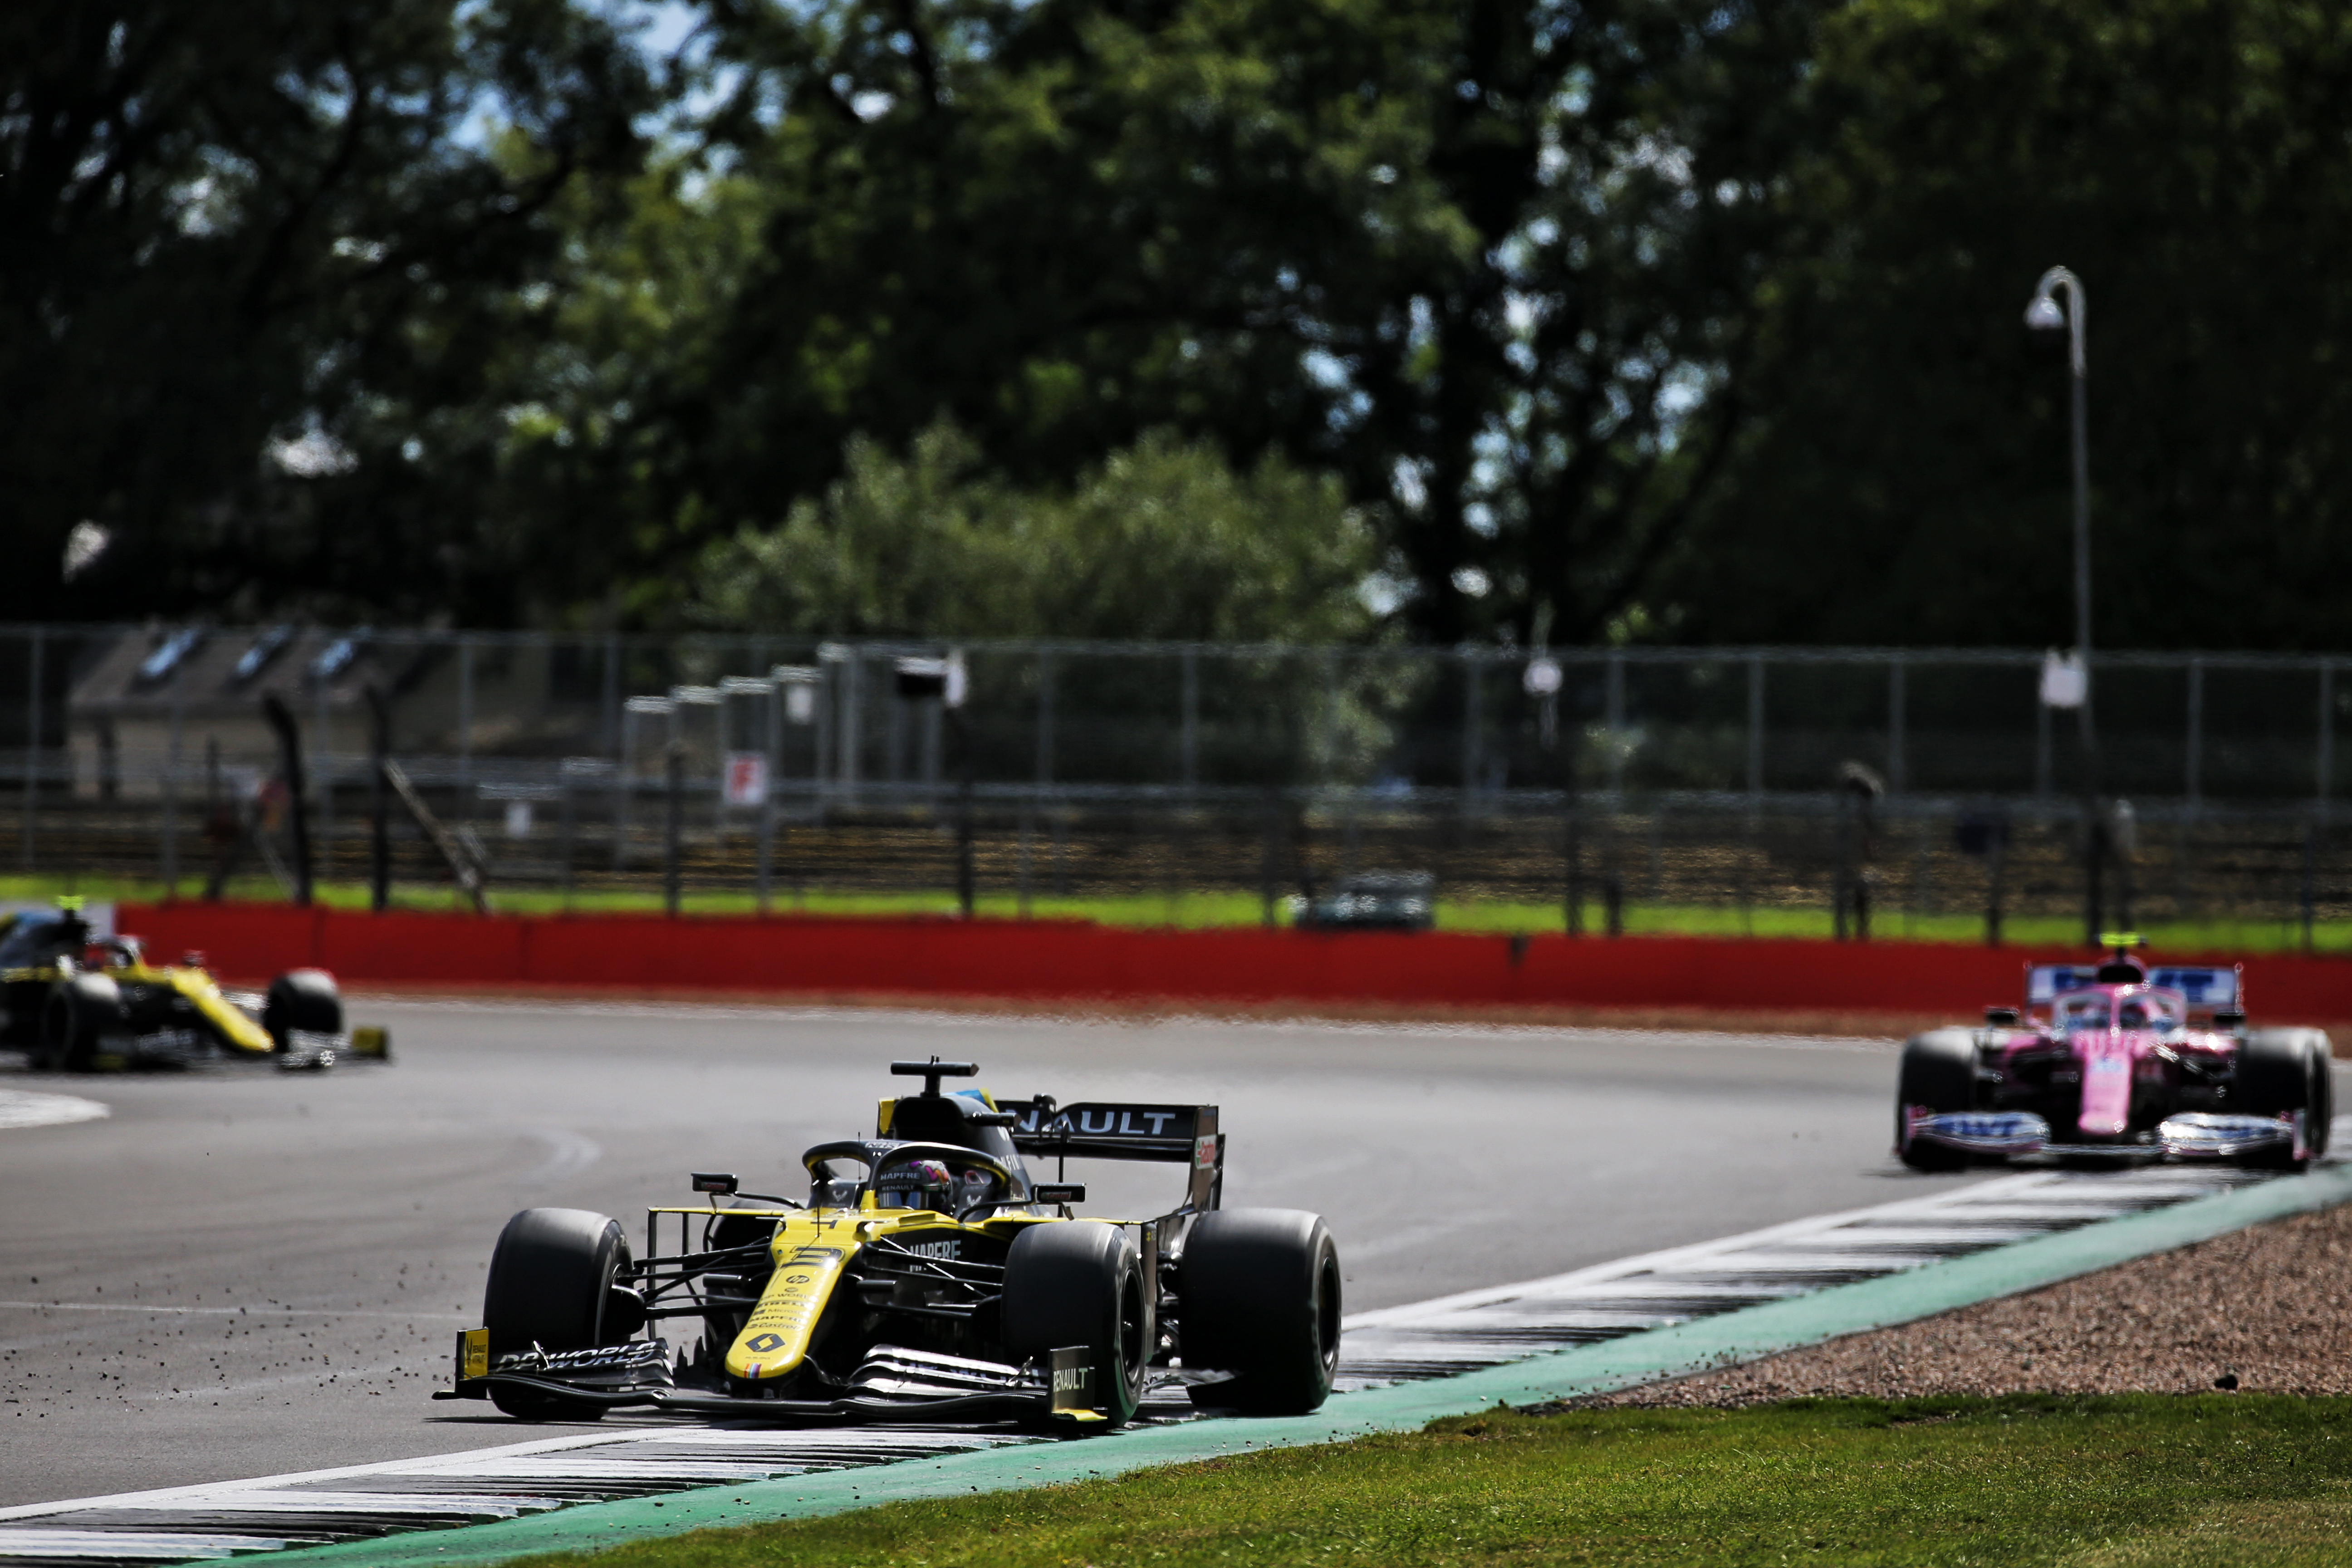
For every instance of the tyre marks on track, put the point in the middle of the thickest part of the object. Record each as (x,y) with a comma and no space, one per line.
(1440,1338)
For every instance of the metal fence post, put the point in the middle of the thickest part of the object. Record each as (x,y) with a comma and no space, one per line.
(1894,725)
(850,744)
(379,806)
(775,781)
(1028,829)
(673,823)
(1755,730)
(172,780)
(2193,774)
(569,798)
(1269,853)
(464,717)
(2325,770)
(1472,734)
(827,699)
(2310,875)
(1190,742)
(1329,760)
(609,708)
(32,717)
(2040,747)
(322,783)
(1044,720)
(1616,724)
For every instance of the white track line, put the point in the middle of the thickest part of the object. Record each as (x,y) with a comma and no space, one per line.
(21,1109)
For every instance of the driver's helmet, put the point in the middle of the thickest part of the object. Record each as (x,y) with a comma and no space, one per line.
(915,1184)
(973,1186)
(2131,1013)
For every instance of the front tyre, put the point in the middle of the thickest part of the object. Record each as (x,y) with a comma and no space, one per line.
(1939,1072)
(2284,1070)
(81,1008)
(1260,1300)
(551,1285)
(304,999)
(1073,1282)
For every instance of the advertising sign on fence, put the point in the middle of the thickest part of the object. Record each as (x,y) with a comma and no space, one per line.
(747,778)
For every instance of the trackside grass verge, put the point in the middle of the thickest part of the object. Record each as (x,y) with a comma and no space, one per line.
(2119,1481)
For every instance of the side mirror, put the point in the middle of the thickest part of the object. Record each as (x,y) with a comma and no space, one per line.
(718,1184)
(1059,1193)
(2228,1018)
(2006,1016)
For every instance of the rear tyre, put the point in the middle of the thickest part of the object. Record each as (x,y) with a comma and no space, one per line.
(1938,1071)
(2281,1070)
(551,1283)
(1073,1282)
(81,1008)
(305,999)
(1260,1300)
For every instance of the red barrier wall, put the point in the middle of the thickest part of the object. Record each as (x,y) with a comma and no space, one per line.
(1074,961)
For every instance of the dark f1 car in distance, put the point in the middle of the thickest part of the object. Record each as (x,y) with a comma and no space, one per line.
(928,1275)
(1374,901)
(80,1001)
(2117,1062)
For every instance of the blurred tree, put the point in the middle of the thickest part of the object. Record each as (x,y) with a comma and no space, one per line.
(1160,541)
(1490,262)
(260,265)
(1911,483)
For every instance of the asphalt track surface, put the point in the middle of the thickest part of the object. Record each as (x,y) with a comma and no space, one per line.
(242,1272)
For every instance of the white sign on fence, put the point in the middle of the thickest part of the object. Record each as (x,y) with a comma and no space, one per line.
(2064,682)
(747,778)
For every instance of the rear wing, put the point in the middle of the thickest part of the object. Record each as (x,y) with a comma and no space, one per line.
(1099,1129)
(2207,990)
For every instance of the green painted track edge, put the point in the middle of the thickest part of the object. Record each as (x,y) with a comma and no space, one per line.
(1726,1339)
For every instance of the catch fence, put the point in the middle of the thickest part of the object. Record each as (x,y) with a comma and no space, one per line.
(1873,785)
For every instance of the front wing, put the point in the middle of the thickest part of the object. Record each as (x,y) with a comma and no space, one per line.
(893,1383)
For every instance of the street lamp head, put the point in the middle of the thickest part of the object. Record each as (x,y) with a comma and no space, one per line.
(2045,316)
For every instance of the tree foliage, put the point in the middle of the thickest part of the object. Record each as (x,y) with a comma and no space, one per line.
(258,261)
(1162,541)
(1601,318)
(1484,260)
(2188,158)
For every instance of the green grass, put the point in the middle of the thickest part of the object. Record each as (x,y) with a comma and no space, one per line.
(1203,911)
(2134,1481)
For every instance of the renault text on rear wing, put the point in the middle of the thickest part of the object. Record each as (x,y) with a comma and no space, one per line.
(1099,1129)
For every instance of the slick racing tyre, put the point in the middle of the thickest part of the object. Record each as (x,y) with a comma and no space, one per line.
(2284,1070)
(551,1286)
(81,1007)
(303,999)
(1260,1300)
(1938,1071)
(1077,1283)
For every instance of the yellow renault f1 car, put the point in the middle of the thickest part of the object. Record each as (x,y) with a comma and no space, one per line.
(80,1003)
(928,1276)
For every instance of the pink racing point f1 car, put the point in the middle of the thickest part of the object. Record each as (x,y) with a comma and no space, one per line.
(2117,1062)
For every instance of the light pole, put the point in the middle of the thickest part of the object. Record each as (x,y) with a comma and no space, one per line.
(2044,314)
